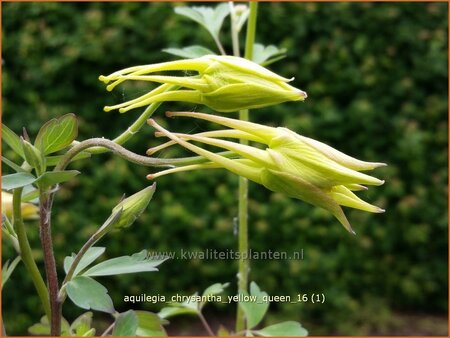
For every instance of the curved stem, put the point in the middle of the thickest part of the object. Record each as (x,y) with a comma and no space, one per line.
(103,230)
(95,143)
(244,264)
(45,207)
(91,241)
(26,254)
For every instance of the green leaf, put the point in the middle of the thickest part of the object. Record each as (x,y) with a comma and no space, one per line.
(81,326)
(57,134)
(209,18)
(172,311)
(150,324)
(90,333)
(273,60)
(43,328)
(13,140)
(190,52)
(87,293)
(54,177)
(8,269)
(53,160)
(91,255)
(139,262)
(30,194)
(261,54)
(214,289)
(17,180)
(33,156)
(284,329)
(12,165)
(126,324)
(190,306)
(40,329)
(256,308)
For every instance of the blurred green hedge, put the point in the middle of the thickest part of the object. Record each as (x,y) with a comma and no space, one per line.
(376,77)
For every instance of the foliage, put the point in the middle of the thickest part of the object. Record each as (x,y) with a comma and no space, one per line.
(377,78)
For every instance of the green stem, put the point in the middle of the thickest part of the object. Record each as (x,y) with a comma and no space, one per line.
(91,241)
(251,30)
(103,230)
(234,30)
(26,254)
(244,264)
(76,261)
(219,45)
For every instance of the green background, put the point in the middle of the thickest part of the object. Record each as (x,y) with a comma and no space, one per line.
(376,77)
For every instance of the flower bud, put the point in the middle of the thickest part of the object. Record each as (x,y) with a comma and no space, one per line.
(33,156)
(133,206)
(223,83)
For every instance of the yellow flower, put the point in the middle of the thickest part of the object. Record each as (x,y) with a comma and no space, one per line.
(223,83)
(29,211)
(291,164)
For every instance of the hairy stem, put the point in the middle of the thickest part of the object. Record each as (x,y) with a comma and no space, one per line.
(26,254)
(91,241)
(124,153)
(45,206)
(244,265)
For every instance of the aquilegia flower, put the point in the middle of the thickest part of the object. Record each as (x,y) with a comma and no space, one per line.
(291,164)
(223,83)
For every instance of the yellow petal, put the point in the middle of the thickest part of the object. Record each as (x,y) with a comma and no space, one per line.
(296,187)
(340,157)
(345,197)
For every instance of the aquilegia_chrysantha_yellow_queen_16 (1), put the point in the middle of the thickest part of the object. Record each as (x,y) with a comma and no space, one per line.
(292,164)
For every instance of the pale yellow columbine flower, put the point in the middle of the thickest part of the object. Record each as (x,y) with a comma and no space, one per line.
(29,211)
(223,83)
(291,164)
